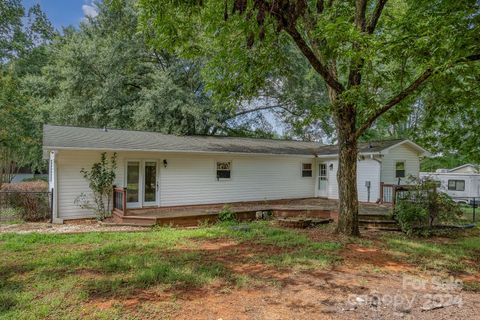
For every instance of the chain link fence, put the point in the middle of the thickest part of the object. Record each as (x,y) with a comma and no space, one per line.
(470,207)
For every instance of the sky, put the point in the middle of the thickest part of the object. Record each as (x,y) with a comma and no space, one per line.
(63,13)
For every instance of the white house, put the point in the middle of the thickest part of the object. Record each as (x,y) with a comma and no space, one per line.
(465,168)
(168,170)
(461,183)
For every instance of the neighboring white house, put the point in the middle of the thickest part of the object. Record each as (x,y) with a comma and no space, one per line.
(465,168)
(169,170)
(461,183)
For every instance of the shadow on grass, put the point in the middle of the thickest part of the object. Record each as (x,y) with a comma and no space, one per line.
(452,255)
(102,266)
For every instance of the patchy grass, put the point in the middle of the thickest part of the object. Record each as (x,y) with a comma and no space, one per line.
(454,255)
(91,275)
(468,214)
(58,275)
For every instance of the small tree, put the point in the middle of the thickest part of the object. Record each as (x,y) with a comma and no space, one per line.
(100,180)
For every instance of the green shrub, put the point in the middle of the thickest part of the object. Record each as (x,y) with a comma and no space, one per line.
(420,209)
(28,206)
(33,179)
(410,216)
(226,214)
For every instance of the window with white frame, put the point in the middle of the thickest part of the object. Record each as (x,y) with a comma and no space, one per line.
(307,170)
(224,169)
(400,169)
(456,185)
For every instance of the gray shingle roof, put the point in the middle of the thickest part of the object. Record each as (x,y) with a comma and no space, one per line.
(112,139)
(58,137)
(363,147)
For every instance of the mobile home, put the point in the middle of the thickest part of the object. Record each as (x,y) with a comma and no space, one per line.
(461,185)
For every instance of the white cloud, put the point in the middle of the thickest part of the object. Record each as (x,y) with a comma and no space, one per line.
(89,11)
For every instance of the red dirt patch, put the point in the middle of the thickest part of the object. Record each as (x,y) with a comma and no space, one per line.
(356,256)
(287,294)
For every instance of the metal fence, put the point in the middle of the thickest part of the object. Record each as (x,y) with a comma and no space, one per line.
(469,206)
(25,205)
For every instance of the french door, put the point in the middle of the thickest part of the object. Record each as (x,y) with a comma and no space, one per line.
(142,183)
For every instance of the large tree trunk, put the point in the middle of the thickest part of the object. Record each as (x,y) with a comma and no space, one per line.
(347,171)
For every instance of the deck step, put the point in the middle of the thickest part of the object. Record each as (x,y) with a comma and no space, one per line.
(381,221)
(379,224)
(120,224)
(374,216)
(133,220)
(382,228)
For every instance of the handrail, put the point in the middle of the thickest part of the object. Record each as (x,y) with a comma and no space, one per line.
(389,192)
(120,200)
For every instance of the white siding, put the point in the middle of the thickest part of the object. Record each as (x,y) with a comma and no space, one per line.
(367,170)
(466,169)
(400,153)
(191,178)
(71,182)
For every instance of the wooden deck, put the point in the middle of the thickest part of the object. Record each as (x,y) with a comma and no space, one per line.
(197,214)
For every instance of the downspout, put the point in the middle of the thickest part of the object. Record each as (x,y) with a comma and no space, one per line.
(53,186)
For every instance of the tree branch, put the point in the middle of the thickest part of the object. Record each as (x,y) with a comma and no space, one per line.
(360,9)
(276,106)
(473,57)
(314,60)
(395,100)
(406,92)
(377,12)
(355,76)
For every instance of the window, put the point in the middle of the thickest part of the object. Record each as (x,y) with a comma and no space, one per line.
(400,169)
(437,183)
(307,170)
(456,185)
(223,170)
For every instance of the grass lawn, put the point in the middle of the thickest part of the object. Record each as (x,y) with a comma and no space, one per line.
(457,255)
(468,214)
(66,276)
(53,275)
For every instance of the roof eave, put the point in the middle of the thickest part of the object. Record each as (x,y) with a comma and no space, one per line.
(178,151)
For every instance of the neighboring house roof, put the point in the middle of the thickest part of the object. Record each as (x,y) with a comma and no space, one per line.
(375,147)
(78,138)
(465,168)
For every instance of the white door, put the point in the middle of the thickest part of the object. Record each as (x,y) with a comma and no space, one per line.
(150,185)
(322,180)
(133,184)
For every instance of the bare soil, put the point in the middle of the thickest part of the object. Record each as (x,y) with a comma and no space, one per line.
(368,284)
(77,227)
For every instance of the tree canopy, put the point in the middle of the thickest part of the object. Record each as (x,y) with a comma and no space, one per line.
(371,58)
(226,67)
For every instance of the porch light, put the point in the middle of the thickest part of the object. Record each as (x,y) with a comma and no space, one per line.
(330,166)
(165,163)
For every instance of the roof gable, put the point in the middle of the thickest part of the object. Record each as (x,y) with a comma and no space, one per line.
(409,143)
(465,168)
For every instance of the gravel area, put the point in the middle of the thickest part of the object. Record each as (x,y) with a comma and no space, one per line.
(42,227)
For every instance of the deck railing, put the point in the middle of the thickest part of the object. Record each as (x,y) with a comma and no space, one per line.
(120,200)
(390,193)
(387,193)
